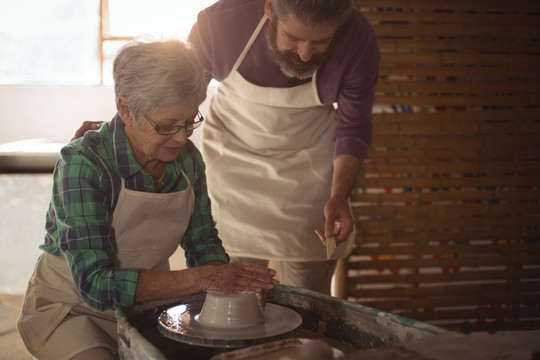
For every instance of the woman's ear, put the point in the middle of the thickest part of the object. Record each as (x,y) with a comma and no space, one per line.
(124,111)
(268,10)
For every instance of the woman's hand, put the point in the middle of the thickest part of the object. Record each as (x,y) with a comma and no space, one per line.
(87,125)
(236,277)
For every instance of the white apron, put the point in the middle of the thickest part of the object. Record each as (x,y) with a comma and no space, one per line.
(55,320)
(269,167)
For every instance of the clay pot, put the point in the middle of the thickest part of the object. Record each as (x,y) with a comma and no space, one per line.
(231,310)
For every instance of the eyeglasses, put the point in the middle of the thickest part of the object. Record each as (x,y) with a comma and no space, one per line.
(171,130)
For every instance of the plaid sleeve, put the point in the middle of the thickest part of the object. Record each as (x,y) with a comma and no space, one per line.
(201,242)
(82,204)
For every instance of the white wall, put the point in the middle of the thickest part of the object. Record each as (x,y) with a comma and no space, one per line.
(24,202)
(51,112)
(56,112)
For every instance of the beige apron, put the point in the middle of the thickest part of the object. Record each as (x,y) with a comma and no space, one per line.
(269,167)
(55,320)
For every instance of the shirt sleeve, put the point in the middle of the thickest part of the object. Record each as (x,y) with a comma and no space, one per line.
(201,242)
(82,207)
(202,43)
(353,134)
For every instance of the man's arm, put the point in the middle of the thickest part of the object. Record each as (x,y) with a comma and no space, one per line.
(339,220)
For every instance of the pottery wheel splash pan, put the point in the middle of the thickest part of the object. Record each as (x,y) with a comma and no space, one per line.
(181,323)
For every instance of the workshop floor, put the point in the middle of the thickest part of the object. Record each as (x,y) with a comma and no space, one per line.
(11,347)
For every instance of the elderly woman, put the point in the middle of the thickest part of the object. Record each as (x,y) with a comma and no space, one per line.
(123,199)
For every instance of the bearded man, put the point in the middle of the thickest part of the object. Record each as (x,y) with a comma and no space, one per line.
(288,128)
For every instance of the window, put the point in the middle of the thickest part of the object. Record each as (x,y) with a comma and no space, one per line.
(49,42)
(73,42)
(124,20)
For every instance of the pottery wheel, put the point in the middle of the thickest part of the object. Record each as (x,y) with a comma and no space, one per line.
(180,323)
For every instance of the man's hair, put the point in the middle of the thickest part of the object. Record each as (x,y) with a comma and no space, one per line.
(316,11)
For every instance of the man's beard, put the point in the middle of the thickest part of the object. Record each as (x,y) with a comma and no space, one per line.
(289,62)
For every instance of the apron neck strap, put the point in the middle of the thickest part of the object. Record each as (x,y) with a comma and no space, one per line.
(250,42)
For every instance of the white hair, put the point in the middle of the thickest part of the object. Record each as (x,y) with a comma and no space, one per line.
(151,75)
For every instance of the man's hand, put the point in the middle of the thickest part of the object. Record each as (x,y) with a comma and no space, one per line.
(339,221)
(87,125)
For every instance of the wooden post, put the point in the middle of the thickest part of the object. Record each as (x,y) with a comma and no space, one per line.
(340,279)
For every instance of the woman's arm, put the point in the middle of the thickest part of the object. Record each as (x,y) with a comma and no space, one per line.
(79,227)
(231,278)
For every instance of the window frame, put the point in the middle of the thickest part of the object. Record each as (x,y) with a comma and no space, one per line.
(105,34)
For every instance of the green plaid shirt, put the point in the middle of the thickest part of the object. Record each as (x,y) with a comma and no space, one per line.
(85,191)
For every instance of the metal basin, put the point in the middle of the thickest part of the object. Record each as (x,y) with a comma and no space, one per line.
(344,325)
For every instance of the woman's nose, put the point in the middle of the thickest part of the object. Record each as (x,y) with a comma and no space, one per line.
(182,136)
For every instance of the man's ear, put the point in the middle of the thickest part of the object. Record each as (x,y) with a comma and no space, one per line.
(268,10)
(124,111)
